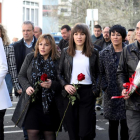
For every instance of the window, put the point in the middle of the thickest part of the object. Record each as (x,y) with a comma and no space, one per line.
(31,11)
(64,10)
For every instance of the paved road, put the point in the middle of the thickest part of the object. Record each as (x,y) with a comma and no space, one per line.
(14,133)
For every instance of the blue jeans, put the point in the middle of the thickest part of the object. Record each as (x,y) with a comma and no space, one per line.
(9,83)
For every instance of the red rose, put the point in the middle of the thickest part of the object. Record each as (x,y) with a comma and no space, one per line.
(44,77)
(80,77)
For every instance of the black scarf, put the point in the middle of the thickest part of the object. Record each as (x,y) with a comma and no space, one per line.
(39,67)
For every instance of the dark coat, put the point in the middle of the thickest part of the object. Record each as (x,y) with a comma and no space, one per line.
(114,109)
(20,49)
(65,70)
(25,76)
(100,42)
(127,65)
(63,44)
(94,38)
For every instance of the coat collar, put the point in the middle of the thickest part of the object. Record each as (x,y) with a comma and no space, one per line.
(111,50)
(134,47)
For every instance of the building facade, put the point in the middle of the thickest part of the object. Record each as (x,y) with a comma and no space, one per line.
(14,12)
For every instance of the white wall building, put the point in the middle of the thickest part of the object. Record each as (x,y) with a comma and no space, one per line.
(14,12)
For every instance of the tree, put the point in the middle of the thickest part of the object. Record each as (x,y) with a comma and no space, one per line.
(110,12)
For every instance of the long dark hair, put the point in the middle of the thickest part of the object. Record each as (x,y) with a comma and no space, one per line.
(87,49)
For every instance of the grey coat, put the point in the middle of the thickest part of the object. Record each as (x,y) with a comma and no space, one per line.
(25,76)
(114,109)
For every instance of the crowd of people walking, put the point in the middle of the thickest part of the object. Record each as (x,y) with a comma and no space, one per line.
(45,78)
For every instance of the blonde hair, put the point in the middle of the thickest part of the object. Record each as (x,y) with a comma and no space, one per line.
(132,37)
(54,52)
(4,36)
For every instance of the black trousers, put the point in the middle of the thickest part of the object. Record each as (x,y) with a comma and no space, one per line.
(113,130)
(80,119)
(133,122)
(2,113)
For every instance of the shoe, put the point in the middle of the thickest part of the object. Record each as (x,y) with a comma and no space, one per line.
(98,107)
(101,113)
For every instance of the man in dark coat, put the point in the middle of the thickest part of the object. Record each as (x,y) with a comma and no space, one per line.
(105,41)
(127,65)
(97,33)
(102,43)
(22,48)
(65,31)
(26,44)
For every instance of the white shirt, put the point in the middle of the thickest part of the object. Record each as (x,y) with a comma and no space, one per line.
(80,65)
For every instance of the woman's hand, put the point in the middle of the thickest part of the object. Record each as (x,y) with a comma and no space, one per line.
(19,91)
(46,84)
(70,89)
(29,91)
(124,93)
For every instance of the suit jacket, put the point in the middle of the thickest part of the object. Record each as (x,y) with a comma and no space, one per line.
(5,101)
(20,49)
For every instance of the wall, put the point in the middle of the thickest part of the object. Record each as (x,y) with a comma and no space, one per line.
(12,17)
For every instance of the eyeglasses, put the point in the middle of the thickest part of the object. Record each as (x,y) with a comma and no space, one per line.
(106,32)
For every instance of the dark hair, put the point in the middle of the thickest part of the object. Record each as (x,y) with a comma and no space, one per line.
(131,30)
(87,49)
(66,26)
(97,26)
(118,28)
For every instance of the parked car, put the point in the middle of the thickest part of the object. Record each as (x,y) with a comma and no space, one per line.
(57,39)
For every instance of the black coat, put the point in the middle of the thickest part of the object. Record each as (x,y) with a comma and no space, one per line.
(100,42)
(63,44)
(25,76)
(127,65)
(114,109)
(65,70)
(20,49)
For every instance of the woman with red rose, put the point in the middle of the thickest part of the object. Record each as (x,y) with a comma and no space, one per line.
(80,57)
(38,80)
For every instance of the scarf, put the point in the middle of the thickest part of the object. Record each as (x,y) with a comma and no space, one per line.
(39,67)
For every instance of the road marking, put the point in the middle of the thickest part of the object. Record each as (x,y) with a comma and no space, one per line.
(14,102)
(11,108)
(107,123)
(9,126)
(99,128)
(19,131)
(8,115)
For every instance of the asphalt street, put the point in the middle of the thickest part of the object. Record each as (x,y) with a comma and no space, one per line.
(14,133)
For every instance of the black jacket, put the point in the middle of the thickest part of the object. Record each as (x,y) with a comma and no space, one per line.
(25,76)
(63,44)
(20,49)
(127,65)
(65,70)
(100,42)
(94,38)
